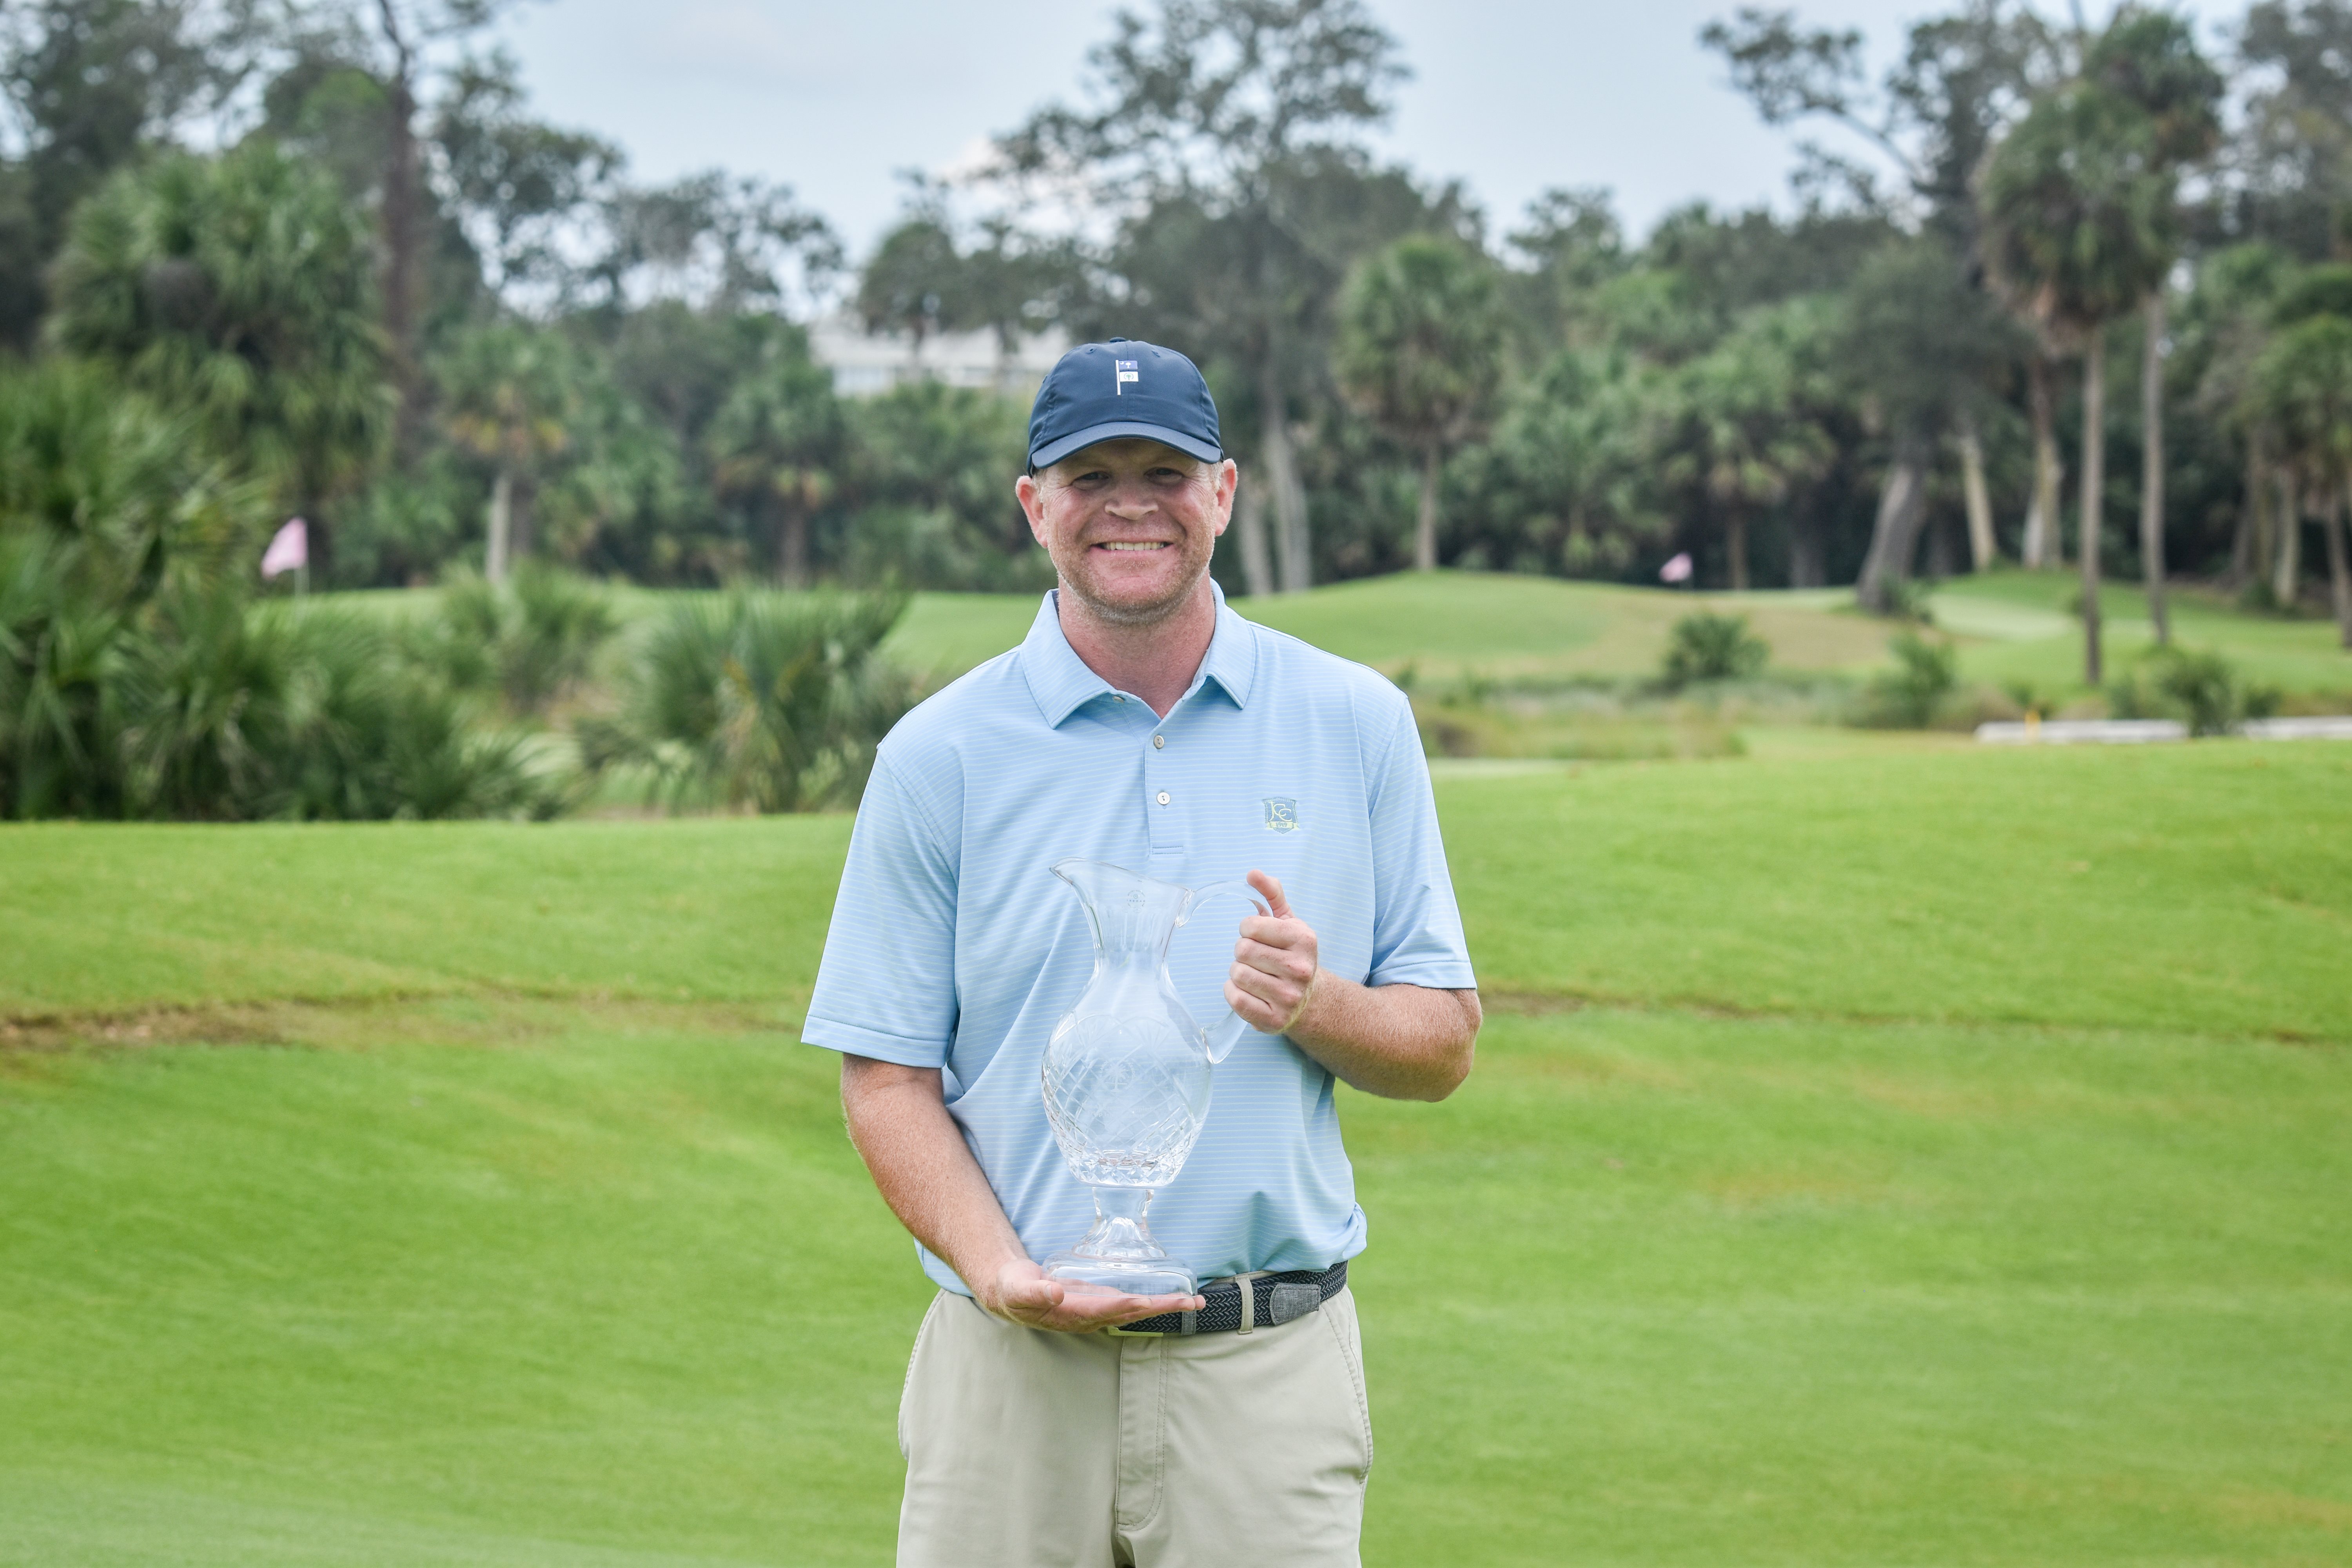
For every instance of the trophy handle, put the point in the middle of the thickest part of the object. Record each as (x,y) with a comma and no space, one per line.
(1226,1033)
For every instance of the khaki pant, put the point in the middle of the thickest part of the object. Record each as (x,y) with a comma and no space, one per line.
(1031,1450)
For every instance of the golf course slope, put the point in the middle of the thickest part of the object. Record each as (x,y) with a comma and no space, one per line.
(1931,1157)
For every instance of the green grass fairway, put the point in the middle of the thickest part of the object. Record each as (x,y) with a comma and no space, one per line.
(2011,626)
(1452,623)
(1908,1157)
(2021,626)
(1449,623)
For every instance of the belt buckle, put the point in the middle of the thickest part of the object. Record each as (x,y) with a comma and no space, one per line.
(1292,1300)
(1186,1324)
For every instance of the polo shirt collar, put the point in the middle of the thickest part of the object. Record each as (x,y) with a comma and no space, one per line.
(1232,659)
(1061,683)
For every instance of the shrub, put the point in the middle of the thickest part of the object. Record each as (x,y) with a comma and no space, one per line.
(370,735)
(197,705)
(2256,597)
(1906,697)
(1705,647)
(2030,698)
(202,708)
(279,712)
(2202,688)
(532,641)
(774,702)
(60,659)
(2205,687)
(1909,599)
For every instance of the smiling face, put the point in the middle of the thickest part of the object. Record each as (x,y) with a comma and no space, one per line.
(1131,524)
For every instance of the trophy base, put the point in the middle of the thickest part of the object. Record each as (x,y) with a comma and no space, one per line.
(1118,1254)
(1123,1276)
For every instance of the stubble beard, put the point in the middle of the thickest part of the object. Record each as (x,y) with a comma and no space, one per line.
(1149,613)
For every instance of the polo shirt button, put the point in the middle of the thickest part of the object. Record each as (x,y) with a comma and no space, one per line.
(1157,741)
(1163,797)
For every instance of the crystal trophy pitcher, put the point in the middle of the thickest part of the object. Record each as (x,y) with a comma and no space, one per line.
(1127,1075)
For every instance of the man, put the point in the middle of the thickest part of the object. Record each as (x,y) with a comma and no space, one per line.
(1145,724)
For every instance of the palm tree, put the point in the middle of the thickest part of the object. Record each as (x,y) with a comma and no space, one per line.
(775,442)
(2149,58)
(509,396)
(128,491)
(239,289)
(1747,421)
(914,284)
(2311,293)
(2304,387)
(1919,342)
(1576,452)
(2044,543)
(2082,226)
(2226,327)
(1421,354)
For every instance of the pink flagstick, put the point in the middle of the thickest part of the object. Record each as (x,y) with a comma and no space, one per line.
(290,549)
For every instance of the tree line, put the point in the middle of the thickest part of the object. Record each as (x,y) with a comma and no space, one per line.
(1888,380)
(328,254)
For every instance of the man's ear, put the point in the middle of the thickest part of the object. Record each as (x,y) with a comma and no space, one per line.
(1228,486)
(1032,505)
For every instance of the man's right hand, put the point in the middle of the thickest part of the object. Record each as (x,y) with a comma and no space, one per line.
(931,1183)
(1021,1294)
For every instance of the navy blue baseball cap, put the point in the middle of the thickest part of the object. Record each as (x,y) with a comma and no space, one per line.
(1099,392)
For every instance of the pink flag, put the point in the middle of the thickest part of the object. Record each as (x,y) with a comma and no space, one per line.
(289,551)
(1678,570)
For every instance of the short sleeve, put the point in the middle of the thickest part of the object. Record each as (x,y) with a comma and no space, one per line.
(886,988)
(1416,926)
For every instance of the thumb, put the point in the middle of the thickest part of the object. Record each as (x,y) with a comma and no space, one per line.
(1277,905)
(1030,1299)
(1048,1295)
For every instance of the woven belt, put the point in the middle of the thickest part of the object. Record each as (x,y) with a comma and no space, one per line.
(1274,1300)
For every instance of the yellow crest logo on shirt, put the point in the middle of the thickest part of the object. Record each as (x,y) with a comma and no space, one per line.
(1281,814)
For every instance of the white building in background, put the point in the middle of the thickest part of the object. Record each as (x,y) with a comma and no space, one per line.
(864,363)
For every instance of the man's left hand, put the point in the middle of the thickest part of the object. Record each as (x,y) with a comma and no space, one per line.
(1274,963)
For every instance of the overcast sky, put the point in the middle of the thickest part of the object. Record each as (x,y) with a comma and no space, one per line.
(1510,96)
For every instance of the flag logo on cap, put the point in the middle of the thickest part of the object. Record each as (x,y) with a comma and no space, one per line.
(1126,372)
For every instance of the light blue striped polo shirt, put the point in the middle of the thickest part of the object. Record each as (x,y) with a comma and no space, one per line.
(953,946)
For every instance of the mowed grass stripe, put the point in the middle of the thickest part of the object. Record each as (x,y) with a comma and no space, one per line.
(2204,887)
(627,1289)
(1651,1288)
(67,1517)
(1786,1292)
(107,919)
